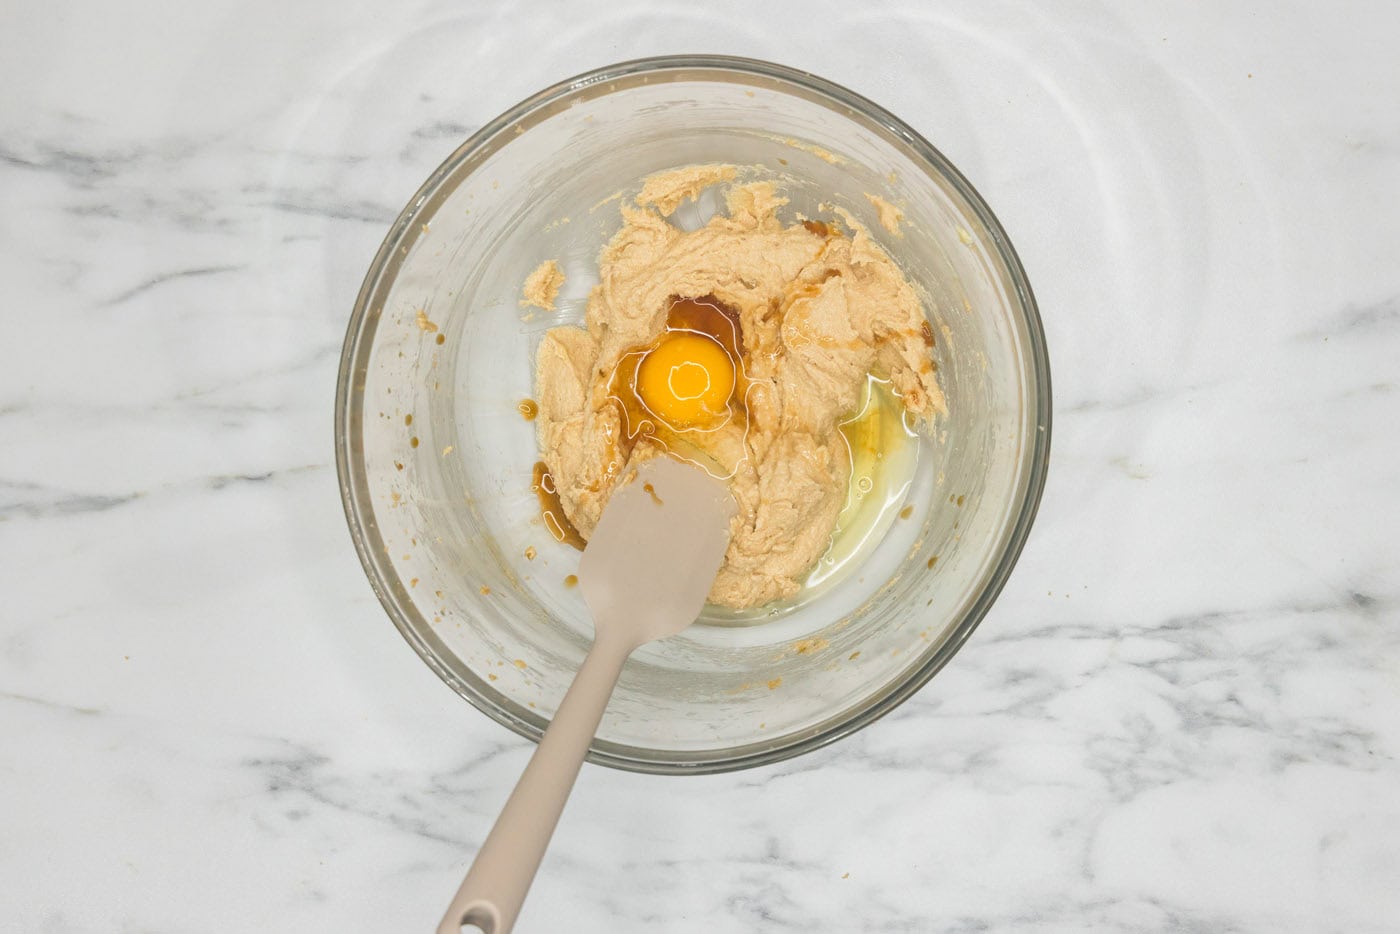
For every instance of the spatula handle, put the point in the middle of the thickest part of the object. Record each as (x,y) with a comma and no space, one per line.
(495,886)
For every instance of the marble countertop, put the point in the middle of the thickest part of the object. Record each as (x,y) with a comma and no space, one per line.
(1183,713)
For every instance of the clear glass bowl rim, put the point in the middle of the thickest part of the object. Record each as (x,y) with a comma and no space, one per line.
(490,138)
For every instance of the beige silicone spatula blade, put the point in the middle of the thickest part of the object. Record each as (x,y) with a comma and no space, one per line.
(644,575)
(656,550)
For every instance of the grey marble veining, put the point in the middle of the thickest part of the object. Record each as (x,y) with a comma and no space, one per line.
(1183,713)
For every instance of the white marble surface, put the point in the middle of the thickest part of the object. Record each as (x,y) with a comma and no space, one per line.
(1183,714)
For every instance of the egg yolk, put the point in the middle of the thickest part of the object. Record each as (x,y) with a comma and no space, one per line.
(686,380)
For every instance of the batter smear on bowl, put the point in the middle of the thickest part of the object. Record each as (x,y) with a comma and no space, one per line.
(743,346)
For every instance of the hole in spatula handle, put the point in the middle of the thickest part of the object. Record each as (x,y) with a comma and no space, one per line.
(478,920)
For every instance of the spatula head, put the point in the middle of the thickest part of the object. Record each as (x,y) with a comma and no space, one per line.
(656,551)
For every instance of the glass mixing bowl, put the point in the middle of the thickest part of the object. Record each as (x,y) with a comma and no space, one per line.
(435,459)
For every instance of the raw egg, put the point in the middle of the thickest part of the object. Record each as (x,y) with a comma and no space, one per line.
(686,380)
(689,379)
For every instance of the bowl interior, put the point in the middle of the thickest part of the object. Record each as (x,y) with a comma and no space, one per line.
(437,459)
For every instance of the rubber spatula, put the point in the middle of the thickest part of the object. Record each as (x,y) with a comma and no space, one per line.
(644,575)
